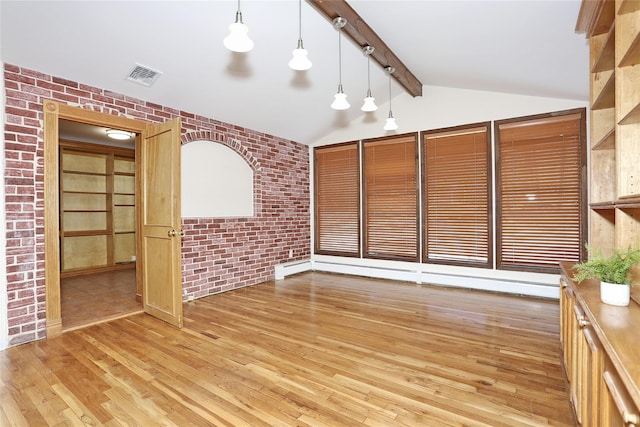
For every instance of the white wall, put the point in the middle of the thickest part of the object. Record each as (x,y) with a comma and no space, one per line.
(216,182)
(4,327)
(441,107)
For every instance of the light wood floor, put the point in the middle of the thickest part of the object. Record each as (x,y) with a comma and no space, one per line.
(99,297)
(312,350)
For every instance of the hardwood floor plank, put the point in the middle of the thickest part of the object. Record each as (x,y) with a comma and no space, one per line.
(311,350)
(10,412)
(76,410)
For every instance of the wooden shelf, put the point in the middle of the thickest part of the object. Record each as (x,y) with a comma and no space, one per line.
(606,59)
(629,6)
(628,41)
(74,172)
(83,233)
(97,207)
(86,211)
(606,97)
(102,193)
(632,202)
(632,116)
(623,203)
(602,205)
(607,142)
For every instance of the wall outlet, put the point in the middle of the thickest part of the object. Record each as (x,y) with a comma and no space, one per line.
(290,253)
(133,258)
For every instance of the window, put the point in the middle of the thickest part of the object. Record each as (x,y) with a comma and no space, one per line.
(456,177)
(539,191)
(391,197)
(337,212)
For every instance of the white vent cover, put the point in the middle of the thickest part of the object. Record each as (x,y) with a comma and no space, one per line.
(143,75)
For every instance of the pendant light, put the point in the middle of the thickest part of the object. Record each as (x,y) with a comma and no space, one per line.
(238,40)
(340,101)
(369,101)
(300,62)
(391,122)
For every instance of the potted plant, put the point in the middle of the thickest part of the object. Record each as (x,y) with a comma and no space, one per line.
(613,273)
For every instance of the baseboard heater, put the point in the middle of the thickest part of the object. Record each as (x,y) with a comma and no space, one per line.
(544,290)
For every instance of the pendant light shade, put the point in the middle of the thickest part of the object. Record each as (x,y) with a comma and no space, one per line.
(238,39)
(340,101)
(369,101)
(300,62)
(390,124)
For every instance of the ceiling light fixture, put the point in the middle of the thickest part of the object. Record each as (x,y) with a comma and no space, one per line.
(238,40)
(340,101)
(120,135)
(300,62)
(369,101)
(391,122)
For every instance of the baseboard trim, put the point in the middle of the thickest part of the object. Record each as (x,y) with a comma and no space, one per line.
(542,290)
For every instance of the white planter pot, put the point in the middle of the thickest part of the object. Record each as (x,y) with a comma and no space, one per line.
(615,294)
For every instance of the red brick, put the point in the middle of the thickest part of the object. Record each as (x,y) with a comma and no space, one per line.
(219,254)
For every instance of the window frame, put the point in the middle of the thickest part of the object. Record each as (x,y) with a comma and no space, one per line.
(365,205)
(582,196)
(453,130)
(316,229)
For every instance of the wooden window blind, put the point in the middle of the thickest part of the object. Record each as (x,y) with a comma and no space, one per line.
(337,200)
(540,191)
(457,196)
(391,197)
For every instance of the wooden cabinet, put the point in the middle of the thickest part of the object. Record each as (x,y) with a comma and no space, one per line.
(97,208)
(600,353)
(613,29)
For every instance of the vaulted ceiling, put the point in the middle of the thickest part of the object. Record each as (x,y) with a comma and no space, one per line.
(515,46)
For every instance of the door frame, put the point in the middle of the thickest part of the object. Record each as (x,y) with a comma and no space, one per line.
(54,111)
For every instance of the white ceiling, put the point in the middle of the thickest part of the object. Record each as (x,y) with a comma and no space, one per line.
(513,46)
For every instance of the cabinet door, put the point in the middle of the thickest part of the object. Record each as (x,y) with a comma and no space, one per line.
(566,312)
(618,409)
(592,370)
(577,363)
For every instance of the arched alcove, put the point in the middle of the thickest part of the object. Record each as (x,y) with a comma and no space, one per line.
(216,182)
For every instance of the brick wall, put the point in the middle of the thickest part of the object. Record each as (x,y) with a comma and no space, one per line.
(218,254)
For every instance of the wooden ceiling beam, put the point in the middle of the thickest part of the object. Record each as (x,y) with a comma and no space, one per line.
(362,34)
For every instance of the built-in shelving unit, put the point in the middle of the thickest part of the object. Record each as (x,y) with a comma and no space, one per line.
(600,360)
(613,29)
(97,208)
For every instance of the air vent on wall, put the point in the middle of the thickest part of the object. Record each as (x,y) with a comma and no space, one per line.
(143,75)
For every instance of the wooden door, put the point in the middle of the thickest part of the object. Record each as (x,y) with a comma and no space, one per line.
(160,236)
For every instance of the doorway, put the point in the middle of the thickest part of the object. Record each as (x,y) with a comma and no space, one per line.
(53,114)
(97,224)
(158,218)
